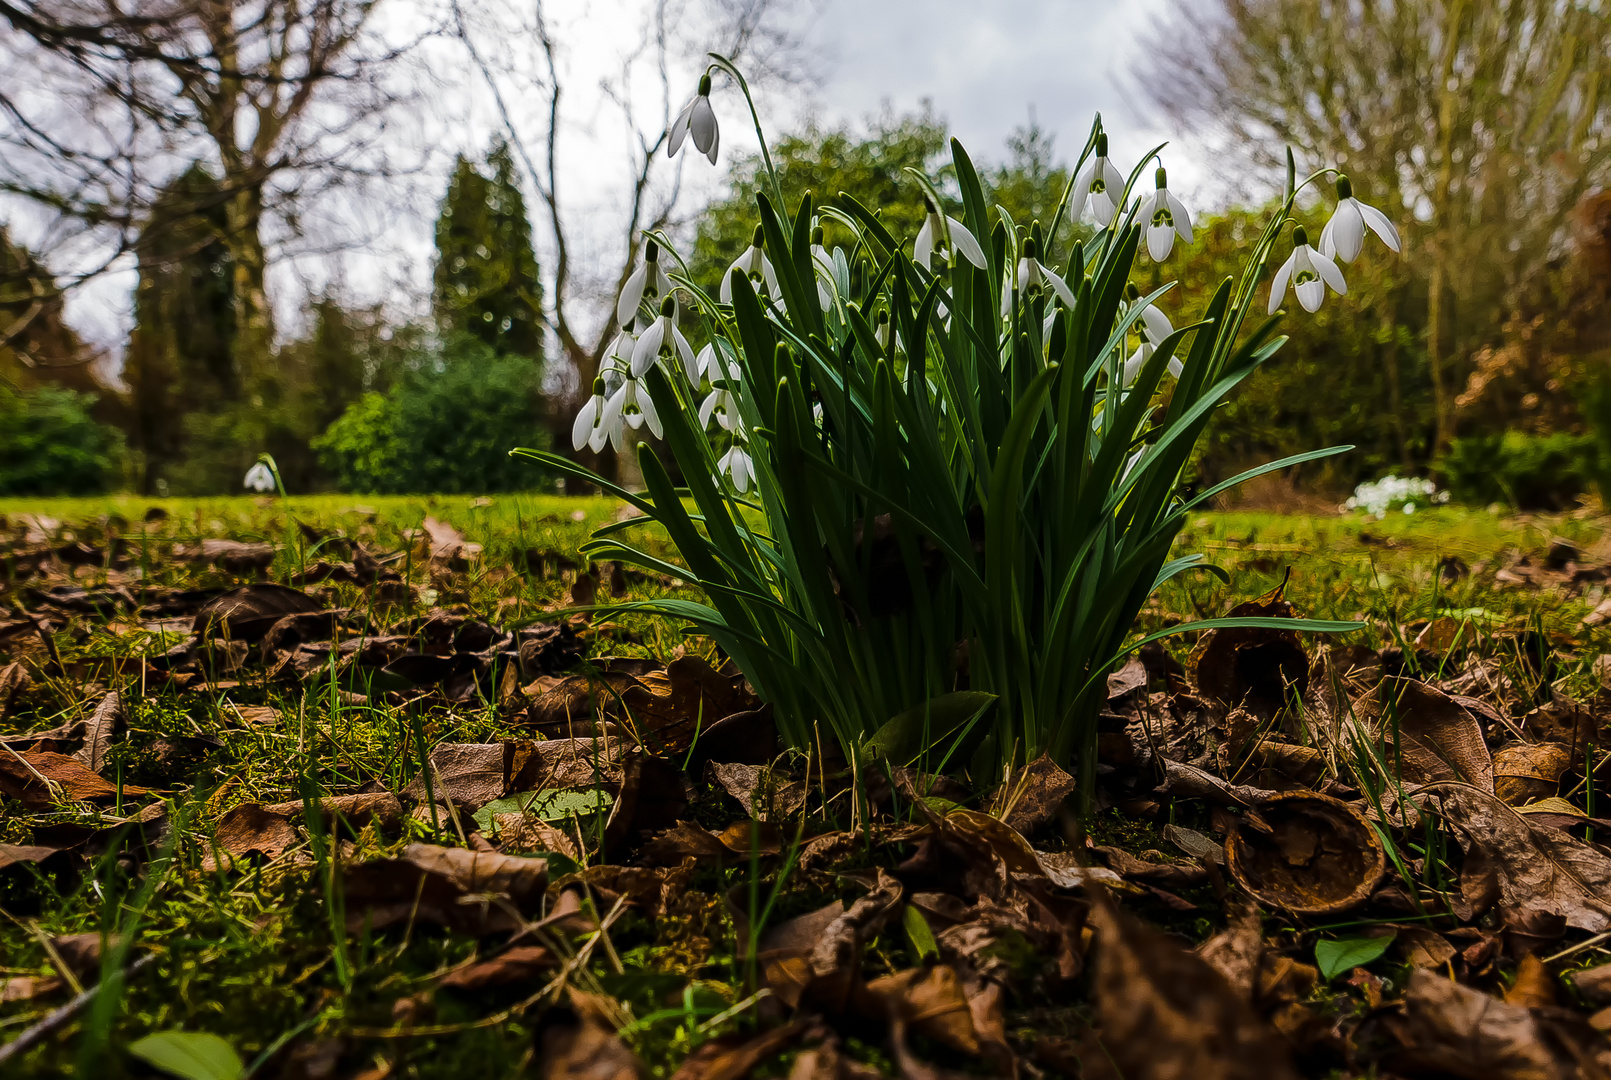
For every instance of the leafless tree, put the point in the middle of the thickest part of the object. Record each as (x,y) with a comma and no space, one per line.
(102,103)
(523,64)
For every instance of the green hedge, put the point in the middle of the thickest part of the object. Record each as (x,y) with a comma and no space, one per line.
(51,445)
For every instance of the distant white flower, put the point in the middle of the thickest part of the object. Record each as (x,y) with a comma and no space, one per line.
(630,406)
(698,119)
(944,236)
(1344,235)
(1030,274)
(1406,493)
(723,406)
(662,338)
(1102,184)
(754,265)
(589,430)
(823,269)
(1164,217)
(647,281)
(259,478)
(1309,271)
(736,463)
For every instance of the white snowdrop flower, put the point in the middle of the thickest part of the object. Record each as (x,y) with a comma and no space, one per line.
(1309,272)
(589,430)
(722,406)
(647,282)
(1101,184)
(1344,235)
(823,269)
(699,120)
(709,363)
(662,338)
(944,236)
(630,406)
(1030,274)
(736,464)
(881,330)
(1164,218)
(259,478)
(754,265)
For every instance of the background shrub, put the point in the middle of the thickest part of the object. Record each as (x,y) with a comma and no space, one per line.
(1528,472)
(51,445)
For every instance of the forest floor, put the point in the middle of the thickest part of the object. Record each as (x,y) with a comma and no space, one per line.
(339,787)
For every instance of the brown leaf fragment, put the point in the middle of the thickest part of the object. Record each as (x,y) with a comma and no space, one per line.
(517,964)
(1523,865)
(1189,782)
(1449,1029)
(1306,853)
(931,1001)
(1258,669)
(249,828)
(667,707)
(235,556)
(1593,983)
(650,794)
(585,1050)
(1527,772)
(102,726)
(1167,1013)
(1534,987)
(11,854)
(1439,738)
(1038,793)
(358,809)
(13,681)
(732,1057)
(1237,951)
(30,775)
(784,951)
(685,840)
(521,832)
(249,612)
(759,789)
(473,892)
(471,774)
(1128,679)
(27,987)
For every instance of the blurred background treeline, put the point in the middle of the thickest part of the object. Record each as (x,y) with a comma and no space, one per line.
(1480,356)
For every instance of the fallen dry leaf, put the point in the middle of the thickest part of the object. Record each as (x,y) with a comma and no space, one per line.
(24,776)
(1445,1028)
(250,828)
(249,612)
(1306,853)
(517,964)
(1256,669)
(1439,738)
(1534,987)
(13,680)
(585,1050)
(1527,772)
(1036,795)
(99,730)
(473,892)
(733,1057)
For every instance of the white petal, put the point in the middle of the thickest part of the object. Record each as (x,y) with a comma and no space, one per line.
(1182,217)
(1157,324)
(707,407)
(702,125)
(1311,293)
(742,471)
(1104,208)
(1328,242)
(1175,366)
(1082,192)
(1160,242)
(648,346)
(690,363)
(715,144)
(923,246)
(727,279)
(649,415)
(1347,230)
(1278,286)
(1060,287)
(706,360)
(626,308)
(1113,178)
(964,242)
(770,277)
(1026,274)
(583,427)
(679,129)
(1329,273)
(1133,366)
(1380,224)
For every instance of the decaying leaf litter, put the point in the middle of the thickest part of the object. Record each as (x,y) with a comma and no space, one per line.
(374,801)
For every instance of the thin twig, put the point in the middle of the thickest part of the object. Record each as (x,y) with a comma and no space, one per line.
(25,1042)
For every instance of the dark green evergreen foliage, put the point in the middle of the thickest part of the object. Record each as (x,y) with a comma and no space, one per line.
(446,427)
(51,445)
(1521,470)
(485,283)
(181,356)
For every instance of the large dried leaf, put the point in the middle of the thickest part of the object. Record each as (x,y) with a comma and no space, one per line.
(667,707)
(1453,1030)
(13,680)
(1527,865)
(250,828)
(1036,795)
(473,892)
(248,613)
(30,775)
(102,726)
(1167,1013)
(1258,669)
(1438,737)
(1527,772)
(585,1050)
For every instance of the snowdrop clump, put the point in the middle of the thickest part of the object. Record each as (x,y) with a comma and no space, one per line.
(1405,493)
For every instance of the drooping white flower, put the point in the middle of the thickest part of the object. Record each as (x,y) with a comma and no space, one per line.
(1102,184)
(709,362)
(881,329)
(1164,218)
(647,282)
(723,406)
(754,265)
(589,430)
(823,269)
(944,236)
(1309,271)
(259,478)
(1344,235)
(1030,274)
(1139,358)
(699,120)
(630,406)
(736,463)
(617,362)
(662,338)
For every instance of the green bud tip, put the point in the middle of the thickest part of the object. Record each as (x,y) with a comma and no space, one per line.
(1031,249)
(1345,186)
(1101,144)
(651,252)
(704,85)
(668,307)
(1161,177)
(1300,236)
(1132,293)
(928,205)
(598,387)
(757,238)
(883,317)
(816,235)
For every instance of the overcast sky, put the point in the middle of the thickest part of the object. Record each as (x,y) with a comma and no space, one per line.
(983,64)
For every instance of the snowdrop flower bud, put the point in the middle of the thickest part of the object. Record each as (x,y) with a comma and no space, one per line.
(661,339)
(1102,184)
(1309,271)
(259,478)
(754,265)
(698,119)
(945,236)
(1344,235)
(1164,216)
(589,428)
(736,463)
(647,280)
